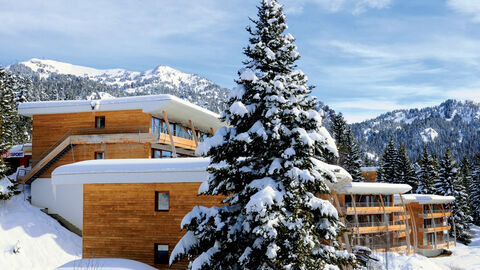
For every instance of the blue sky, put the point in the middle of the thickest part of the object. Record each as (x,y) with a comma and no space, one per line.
(365,57)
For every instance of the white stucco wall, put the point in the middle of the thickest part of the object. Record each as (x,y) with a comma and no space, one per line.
(64,200)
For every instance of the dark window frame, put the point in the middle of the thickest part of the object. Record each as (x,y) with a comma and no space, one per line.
(156,201)
(99,152)
(155,250)
(96,122)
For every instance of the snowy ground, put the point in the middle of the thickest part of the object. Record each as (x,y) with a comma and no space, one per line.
(463,258)
(43,243)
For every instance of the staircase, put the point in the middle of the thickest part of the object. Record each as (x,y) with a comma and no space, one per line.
(34,174)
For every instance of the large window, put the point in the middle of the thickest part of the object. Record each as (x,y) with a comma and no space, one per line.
(162,201)
(156,153)
(160,126)
(161,254)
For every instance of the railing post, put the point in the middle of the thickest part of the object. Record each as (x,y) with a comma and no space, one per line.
(356,218)
(386,223)
(407,233)
(434,226)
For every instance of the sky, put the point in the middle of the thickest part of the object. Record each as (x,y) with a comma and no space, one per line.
(365,57)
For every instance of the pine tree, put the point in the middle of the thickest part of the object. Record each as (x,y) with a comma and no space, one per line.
(475,189)
(388,164)
(450,184)
(8,116)
(466,175)
(405,170)
(353,160)
(269,164)
(349,155)
(426,174)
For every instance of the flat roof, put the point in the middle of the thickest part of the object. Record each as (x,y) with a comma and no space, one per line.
(366,188)
(424,198)
(141,170)
(178,110)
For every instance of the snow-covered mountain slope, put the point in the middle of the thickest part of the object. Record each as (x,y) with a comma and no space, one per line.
(58,80)
(41,242)
(454,124)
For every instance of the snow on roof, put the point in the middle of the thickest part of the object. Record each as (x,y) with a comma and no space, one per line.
(105,264)
(368,169)
(176,170)
(178,110)
(374,188)
(424,198)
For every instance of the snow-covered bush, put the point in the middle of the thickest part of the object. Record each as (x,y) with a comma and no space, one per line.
(7,189)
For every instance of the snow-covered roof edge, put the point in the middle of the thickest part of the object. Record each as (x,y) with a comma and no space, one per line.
(177,109)
(374,188)
(424,198)
(177,170)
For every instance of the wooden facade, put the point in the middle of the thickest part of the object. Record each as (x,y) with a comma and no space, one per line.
(60,139)
(432,226)
(120,220)
(374,221)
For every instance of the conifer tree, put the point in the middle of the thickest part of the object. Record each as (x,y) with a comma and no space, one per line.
(466,175)
(405,170)
(475,189)
(426,174)
(8,116)
(450,184)
(388,164)
(269,164)
(349,156)
(353,160)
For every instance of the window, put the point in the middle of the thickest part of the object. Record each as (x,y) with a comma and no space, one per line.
(162,201)
(156,153)
(99,155)
(100,122)
(161,254)
(166,154)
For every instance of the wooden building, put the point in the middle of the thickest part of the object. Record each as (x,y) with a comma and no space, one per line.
(369,173)
(133,208)
(431,222)
(65,132)
(372,218)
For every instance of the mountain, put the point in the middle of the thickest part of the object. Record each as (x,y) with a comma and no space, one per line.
(454,124)
(53,80)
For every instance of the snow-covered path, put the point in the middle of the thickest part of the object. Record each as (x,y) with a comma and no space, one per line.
(463,258)
(44,243)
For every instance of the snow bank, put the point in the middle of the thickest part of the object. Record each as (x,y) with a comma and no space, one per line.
(105,264)
(4,184)
(43,243)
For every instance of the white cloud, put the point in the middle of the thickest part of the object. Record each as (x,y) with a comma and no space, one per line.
(356,7)
(467,7)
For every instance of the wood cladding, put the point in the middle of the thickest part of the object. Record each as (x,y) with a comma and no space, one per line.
(49,128)
(83,152)
(120,221)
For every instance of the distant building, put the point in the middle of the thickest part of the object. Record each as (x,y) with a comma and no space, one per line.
(369,173)
(18,158)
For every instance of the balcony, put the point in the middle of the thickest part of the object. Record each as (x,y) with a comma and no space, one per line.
(440,244)
(438,227)
(434,214)
(371,208)
(374,227)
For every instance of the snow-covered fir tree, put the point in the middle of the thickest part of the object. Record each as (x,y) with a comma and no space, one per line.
(426,174)
(349,155)
(387,172)
(405,169)
(269,163)
(450,184)
(466,175)
(8,118)
(353,159)
(475,189)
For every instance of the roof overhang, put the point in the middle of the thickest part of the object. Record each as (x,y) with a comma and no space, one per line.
(109,171)
(178,110)
(425,199)
(366,188)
